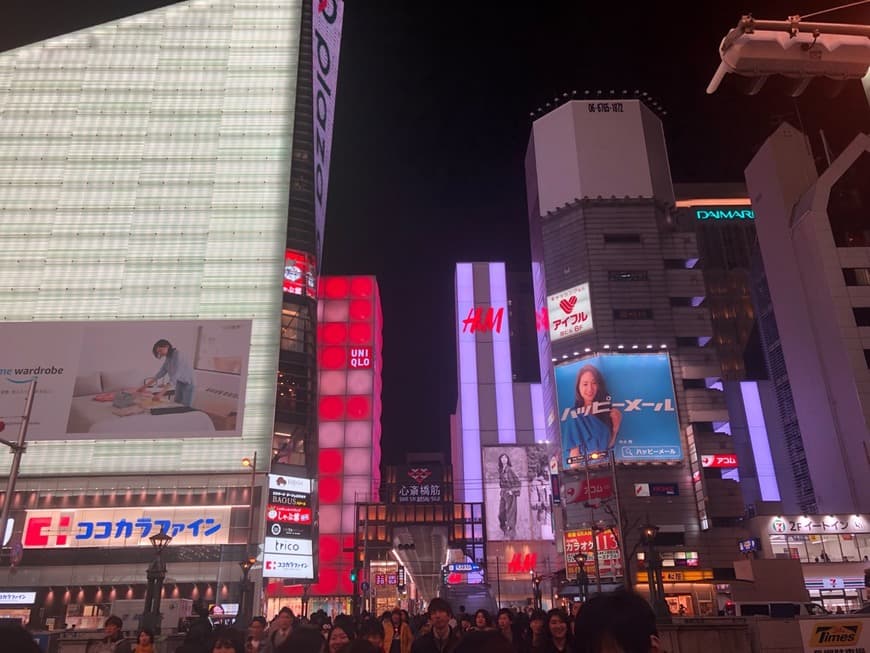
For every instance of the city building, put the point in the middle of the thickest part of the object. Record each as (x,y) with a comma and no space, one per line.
(499,446)
(616,279)
(162,183)
(813,292)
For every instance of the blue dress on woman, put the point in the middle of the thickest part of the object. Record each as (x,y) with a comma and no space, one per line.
(587,431)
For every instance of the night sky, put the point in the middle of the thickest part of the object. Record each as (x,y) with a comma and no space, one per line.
(432,122)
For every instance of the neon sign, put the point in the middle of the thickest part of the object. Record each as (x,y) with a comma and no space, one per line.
(483,320)
(724,214)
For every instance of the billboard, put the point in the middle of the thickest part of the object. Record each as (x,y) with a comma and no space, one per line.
(326,43)
(124,527)
(289,543)
(569,312)
(580,542)
(300,273)
(111,380)
(623,402)
(517,488)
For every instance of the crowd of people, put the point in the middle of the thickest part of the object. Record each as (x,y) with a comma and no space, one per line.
(618,622)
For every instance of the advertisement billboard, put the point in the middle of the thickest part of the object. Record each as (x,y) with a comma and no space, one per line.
(569,312)
(326,43)
(580,542)
(289,543)
(516,486)
(111,380)
(300,274)
(125,527)
(623,402)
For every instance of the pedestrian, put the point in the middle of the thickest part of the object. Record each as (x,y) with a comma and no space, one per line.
(617,621)
(441,638)
(397,634)
(114,641)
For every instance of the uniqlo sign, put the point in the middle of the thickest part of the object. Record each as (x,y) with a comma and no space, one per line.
(569,313)
(724,461)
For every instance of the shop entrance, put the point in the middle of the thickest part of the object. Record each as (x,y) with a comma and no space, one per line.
(680,605)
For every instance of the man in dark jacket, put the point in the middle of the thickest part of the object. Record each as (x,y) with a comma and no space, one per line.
(114,641)
(441,638)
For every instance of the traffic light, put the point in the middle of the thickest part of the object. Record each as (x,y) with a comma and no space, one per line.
(353,575)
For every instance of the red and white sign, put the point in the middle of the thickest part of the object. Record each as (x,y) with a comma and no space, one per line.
(719,460)
(569,313)
(579,490)
(299,273)
(360,358)
(580,541)
(289,514)
(483,320)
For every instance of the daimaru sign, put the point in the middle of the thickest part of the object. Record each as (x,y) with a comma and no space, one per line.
(724,214)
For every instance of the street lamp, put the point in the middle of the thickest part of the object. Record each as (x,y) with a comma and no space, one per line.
(252,463)
(536,590)
(582,576)
(244,615)
(156,574)
(648,535)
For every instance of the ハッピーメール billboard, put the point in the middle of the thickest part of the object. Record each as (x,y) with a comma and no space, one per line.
(115,380)
(517,493)
(619,402)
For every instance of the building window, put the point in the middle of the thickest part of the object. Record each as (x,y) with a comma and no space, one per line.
(632,314)
(621,239)
(857,276)
(849,203)
(867,357)
(628,275)
(862,315)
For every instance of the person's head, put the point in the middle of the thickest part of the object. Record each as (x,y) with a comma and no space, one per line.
(504,462)
(590,386)
(303,639)
(484,641)
(616,622)
(465,623)
(405,616)
(396,617)
(161,348)
(373,631)
(439,613)
(284,619)
(113,626)
(505,619)
(338,637)
(257,627)
(145,636)
(557,624)
(537,622)
(482,619)
(226,640)
(16,639)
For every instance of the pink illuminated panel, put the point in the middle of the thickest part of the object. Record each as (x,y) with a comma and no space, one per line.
(349,408)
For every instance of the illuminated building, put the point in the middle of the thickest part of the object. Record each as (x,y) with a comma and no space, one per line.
(617,277)
(159,180)
(498,419)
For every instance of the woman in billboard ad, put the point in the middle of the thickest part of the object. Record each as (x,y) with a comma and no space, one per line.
(595,422)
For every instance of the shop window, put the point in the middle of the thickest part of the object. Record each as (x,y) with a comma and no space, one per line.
(797,548)
(849,547)
(862,541)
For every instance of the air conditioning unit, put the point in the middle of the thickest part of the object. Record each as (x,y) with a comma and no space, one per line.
(802,51)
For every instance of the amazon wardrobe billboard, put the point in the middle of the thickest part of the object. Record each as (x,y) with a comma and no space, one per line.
(623,402)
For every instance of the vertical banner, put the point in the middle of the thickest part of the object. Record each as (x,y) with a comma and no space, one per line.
(326,42)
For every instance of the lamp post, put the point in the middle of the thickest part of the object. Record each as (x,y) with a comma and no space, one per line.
(582,576)
(536,590)
(252,463)
(245,613)
(156,574)
(654,574)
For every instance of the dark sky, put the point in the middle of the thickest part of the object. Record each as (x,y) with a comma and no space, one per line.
(432,122)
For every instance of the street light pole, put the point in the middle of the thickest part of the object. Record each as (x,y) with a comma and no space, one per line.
(156,574)
(582,576)
(252,463)
(18,448)
(654,574)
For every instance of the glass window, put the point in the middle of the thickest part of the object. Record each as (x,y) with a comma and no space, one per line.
(815,550)
(862,540)
(797,548)
(832,551)
(849,547)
